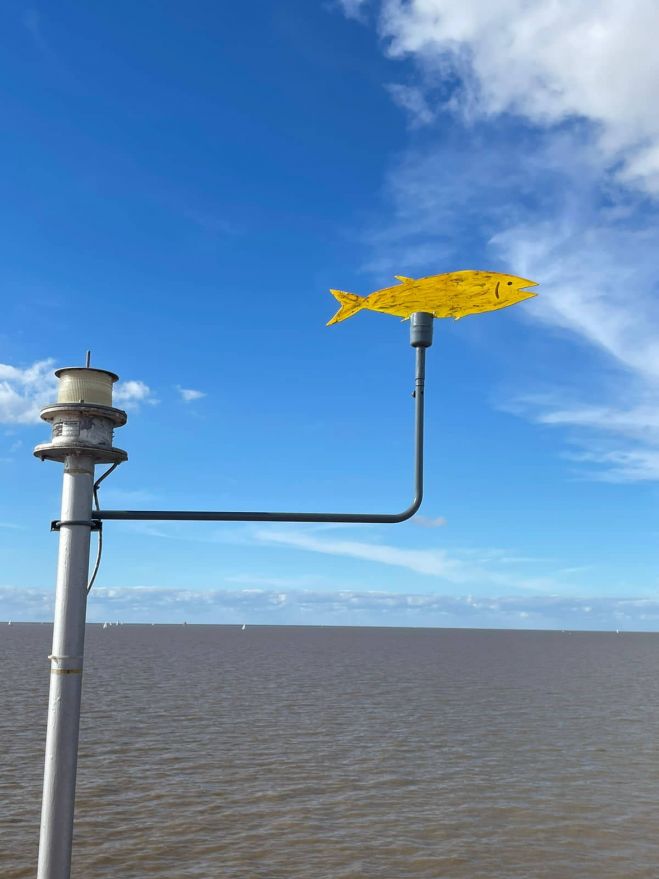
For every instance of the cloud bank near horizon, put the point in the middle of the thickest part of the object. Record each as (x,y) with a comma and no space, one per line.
(317,607)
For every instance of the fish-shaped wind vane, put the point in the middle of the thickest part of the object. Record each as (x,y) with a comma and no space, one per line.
(454,294)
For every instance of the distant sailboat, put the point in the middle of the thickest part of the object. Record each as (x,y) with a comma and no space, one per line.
(243,627)
(105,625)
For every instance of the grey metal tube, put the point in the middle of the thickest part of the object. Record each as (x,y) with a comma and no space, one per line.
(233,516)
(66,671)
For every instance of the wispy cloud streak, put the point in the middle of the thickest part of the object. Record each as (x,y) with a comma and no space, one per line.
(475,567)
(435,562)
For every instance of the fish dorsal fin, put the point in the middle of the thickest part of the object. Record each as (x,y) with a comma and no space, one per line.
(403,278)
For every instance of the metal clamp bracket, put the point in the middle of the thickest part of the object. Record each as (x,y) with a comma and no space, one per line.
(93,524)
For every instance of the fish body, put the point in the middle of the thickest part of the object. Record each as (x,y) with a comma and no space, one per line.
(455,294)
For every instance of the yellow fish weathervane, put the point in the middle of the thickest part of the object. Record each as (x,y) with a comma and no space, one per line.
(454,294)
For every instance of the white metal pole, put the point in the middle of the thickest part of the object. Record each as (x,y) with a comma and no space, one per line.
(56,834)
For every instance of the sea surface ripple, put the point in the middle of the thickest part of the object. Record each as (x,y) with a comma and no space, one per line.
(343,753)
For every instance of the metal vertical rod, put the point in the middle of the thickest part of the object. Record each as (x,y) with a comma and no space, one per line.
(56,834)
(419,393)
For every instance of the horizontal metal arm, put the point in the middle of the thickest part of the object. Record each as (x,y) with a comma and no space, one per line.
(377,518)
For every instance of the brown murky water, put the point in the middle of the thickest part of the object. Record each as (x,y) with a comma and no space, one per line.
(290,753)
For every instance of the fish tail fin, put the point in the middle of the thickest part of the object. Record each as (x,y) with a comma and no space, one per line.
(350,303)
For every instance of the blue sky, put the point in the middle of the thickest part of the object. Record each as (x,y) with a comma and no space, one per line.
(182,186)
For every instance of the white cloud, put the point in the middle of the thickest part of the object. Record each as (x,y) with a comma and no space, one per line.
(131,394)
(413,100)
(353,8)
(450,188)
(598,280)
(429,521)
(24,391)
(188,394)
(622,465)
(548,62)
(639,422)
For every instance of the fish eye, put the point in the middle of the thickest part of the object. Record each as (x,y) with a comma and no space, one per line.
(510,283)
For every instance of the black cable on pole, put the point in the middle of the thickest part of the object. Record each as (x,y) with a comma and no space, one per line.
(99,552)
